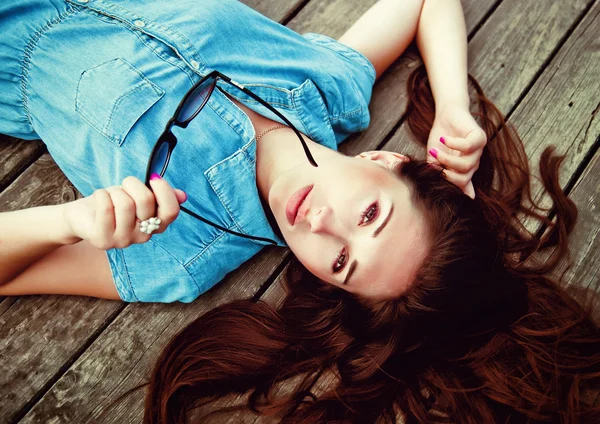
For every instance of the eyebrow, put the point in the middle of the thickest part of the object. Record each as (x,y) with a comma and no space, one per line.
(384,223)
(350,271)
(375,234)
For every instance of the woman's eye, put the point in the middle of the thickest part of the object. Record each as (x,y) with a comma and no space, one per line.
(369,214)
(340,261)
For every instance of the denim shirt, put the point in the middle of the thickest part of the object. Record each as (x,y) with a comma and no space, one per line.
(97,80)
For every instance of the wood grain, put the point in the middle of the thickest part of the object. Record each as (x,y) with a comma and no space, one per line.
(121,357)
(562,109)
(515,42)
(584,242)
(33,336)
(277,10)
(16,156)
(43,183)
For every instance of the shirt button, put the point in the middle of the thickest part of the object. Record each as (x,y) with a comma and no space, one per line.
(195,64)
(138,23)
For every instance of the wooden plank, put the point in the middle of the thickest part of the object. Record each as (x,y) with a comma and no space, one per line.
(26,363)
(562,108)
(279,10)
(43,183)
(122,355)
(32,335)
(476,11)
(16,156)
(35,365)
(6,303)
(513,45)
(585,239)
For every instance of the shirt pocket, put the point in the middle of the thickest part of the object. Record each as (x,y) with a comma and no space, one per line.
(112,96)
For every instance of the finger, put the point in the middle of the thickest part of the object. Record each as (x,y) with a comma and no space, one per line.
(470,190)
(473,142)
(462,164)
(458,144)
(459,180)
(125,222)
(145,203)
(181,195)
(478,138)
(166,199)
(462,181)
(104,222)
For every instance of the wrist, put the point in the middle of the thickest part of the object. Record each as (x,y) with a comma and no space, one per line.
(452,101)
(64,230)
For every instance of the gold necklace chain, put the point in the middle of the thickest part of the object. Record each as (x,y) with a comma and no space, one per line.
(269,130)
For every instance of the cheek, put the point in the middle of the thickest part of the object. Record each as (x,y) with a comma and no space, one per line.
(312,255)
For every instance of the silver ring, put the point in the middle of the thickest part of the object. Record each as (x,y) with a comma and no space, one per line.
(150,225)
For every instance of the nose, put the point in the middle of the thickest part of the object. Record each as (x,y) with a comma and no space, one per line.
(322,221)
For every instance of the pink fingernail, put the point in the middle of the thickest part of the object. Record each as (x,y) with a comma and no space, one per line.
(433,153)
(155,176)
(185,194)
(442,140)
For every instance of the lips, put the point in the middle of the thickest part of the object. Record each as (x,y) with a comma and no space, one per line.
(294,203)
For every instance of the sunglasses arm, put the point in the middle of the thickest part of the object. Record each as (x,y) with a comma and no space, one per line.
(276,112)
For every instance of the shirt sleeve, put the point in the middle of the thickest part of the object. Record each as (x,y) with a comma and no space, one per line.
(148,273)
(361,75)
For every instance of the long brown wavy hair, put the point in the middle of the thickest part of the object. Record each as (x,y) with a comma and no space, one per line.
(483,334)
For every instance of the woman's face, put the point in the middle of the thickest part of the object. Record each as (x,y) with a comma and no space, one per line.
(351,221)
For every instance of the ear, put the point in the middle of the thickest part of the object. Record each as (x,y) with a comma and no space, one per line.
(384,158)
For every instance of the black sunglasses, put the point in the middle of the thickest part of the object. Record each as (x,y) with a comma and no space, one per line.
(188,109)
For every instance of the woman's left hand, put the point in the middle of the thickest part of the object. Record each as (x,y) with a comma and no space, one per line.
(456,142)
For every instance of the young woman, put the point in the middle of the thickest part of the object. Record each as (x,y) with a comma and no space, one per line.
(416,287)
(100,101)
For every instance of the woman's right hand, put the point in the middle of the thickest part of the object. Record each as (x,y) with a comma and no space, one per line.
(462,145)
(110,217)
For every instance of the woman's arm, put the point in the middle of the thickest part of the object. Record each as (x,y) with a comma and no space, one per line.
(40,255)
(28,235)
(389,26)
(61,249)
(442,41)
(456,141)
(384,31)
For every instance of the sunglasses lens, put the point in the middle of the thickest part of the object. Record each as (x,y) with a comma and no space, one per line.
(159,159)
(196,100)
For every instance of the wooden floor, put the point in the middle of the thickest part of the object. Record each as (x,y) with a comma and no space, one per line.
(64,359)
